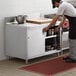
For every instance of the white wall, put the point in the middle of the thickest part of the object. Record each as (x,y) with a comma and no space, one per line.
(16,7)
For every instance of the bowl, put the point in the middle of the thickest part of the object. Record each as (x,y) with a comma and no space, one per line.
(21,18)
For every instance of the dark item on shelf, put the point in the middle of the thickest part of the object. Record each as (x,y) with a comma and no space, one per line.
(49,44)
(21,18)
(51,31)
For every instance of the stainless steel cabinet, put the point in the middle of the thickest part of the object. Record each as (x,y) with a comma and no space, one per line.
(27,41)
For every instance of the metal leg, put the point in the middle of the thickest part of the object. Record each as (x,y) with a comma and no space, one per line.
(55,43)
(26,61)
(9,57)
(58,53)
(61,41)
(61,52)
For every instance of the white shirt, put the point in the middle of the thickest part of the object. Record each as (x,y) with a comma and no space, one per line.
(66,8)
(73,2)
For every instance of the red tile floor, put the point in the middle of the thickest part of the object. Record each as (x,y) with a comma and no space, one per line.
(49,67)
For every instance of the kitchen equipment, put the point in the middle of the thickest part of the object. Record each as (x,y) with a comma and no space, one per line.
(12,19)
(21,18)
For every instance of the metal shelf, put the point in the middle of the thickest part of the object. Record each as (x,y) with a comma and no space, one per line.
(50,36)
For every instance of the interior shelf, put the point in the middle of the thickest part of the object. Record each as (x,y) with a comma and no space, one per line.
(52,52)
(50,36)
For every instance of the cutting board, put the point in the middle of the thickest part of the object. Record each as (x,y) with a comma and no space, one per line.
(39,20)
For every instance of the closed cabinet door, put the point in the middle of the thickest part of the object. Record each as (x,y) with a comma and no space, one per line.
(35,42)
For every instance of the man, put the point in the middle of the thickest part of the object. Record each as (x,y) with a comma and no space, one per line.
(67,11)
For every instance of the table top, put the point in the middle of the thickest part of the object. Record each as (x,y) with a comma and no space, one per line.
(39,20)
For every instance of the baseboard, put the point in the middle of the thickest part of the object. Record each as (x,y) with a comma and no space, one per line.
(3,58)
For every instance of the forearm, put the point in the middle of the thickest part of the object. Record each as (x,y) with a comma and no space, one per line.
(62,22)
(53,21)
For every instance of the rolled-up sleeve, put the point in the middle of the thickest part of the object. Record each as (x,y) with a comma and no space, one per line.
(61,10)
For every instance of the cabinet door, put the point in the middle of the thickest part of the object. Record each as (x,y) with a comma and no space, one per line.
(65,40)
(35,42)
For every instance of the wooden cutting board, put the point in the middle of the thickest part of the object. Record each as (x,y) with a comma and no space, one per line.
(39,20)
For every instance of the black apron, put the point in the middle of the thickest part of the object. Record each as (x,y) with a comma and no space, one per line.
(72,27)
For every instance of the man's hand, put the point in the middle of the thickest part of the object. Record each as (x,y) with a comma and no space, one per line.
(51,23)
(56,29)
(45,29)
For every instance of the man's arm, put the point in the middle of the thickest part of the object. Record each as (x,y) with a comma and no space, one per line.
(55,18)
(62,22)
